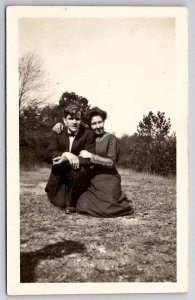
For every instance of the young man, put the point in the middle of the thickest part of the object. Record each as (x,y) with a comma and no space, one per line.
(70,173)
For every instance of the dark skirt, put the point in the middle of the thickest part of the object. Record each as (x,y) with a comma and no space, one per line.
(104,198)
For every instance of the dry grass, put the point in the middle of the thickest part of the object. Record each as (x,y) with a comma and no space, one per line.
(75,248)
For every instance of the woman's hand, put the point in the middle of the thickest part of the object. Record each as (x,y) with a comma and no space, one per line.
(85,154)
(58,128)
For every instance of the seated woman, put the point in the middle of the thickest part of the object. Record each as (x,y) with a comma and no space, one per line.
(104,197)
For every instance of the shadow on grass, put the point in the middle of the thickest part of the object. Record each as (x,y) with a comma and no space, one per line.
(29,260)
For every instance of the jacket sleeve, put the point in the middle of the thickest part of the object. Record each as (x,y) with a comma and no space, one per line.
(90,142)
(53,147)
(89,146)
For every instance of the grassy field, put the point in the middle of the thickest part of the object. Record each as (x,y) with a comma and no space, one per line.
(73,248)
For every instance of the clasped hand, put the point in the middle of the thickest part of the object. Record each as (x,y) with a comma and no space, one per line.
(85,154)
(73,159)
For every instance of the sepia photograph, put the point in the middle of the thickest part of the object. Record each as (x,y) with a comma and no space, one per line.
(97,193)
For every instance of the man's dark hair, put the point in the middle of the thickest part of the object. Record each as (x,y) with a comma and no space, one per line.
(72,110)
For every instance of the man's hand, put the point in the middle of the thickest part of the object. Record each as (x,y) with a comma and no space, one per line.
(58,160)
(73,159)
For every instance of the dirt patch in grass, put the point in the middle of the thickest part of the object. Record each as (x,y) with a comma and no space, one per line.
(74,248)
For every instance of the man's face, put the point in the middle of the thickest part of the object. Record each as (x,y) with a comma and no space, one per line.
(73,122)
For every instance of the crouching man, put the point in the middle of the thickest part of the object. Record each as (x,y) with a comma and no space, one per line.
(70,174)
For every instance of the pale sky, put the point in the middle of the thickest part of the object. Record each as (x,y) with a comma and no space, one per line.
(124,66)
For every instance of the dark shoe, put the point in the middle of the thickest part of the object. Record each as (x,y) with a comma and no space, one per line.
(62,208)
(132,211)
(69,211)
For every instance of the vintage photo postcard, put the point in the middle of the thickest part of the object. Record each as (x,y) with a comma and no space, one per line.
(97,150)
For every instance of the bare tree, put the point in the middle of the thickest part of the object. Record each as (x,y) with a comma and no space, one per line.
(33,84)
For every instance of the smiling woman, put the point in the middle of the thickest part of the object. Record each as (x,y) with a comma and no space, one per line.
(104,197)
(96,118)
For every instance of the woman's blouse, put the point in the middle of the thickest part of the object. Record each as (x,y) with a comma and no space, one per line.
(107,151)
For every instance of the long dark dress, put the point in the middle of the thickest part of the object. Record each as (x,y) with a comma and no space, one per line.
(104,197)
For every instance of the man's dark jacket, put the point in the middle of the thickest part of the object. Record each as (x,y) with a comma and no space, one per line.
(59,143)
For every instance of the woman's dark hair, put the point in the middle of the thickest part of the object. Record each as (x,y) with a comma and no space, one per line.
(72,110)
(93,112)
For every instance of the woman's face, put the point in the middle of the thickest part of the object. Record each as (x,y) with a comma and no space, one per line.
(97,125)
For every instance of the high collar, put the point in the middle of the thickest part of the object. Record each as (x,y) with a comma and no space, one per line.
(79,132)
(72,133)
(100,136)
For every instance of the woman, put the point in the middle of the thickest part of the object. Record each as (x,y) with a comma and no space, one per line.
(104,197)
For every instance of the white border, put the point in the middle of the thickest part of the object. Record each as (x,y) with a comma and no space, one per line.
(14,287)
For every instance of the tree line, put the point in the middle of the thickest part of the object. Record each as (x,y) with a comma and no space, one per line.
(151,149)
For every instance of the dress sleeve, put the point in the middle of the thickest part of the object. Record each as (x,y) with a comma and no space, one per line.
(104,161)
(113,148)
(112,153)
